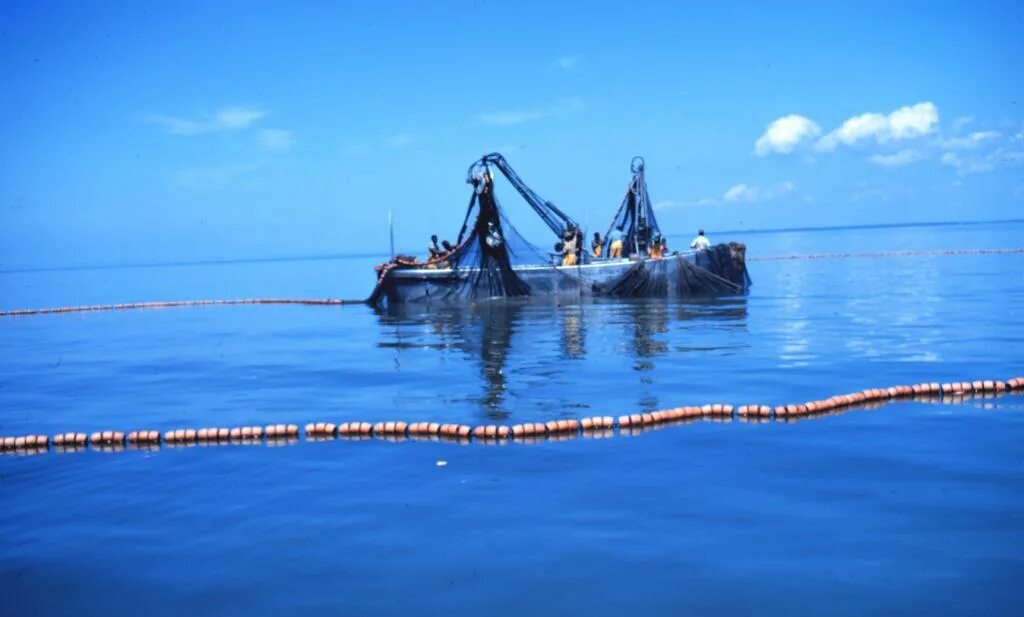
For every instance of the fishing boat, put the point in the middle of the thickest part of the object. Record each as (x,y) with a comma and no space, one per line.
(492,260)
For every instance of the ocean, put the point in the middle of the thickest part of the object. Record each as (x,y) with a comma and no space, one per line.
(903,508)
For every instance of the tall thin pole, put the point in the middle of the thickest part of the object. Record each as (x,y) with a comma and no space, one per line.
(391,233)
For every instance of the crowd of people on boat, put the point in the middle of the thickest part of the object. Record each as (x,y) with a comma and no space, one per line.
(571,247)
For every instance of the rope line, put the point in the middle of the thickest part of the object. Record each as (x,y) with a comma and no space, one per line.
(178,303)
(553,430)
(922,253)
(385,269)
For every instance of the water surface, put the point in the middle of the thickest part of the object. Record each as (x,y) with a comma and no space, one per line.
(908,508)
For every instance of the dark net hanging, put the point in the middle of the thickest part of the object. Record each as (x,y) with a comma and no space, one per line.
(718,270)
(487,255)
(489,248)
(635,216)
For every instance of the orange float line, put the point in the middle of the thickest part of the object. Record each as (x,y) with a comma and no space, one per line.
(177,304)
(530,432)
(861,254)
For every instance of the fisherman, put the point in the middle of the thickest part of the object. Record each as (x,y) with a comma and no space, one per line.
(596,245)
(657,248)
(569,245)
(433,249)
(448,249)
(701,243)
(615,243)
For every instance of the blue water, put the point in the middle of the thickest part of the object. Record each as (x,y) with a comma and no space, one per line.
(907,508)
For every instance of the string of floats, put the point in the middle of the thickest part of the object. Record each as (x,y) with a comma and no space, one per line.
(555,430)
(337,302)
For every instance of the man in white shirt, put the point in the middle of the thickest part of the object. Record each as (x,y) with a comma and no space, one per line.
(701,243)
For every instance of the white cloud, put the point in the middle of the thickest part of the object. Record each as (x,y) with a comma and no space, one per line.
(913,121)
(785,134)
(671,204)
(961,122)
(899,159)
(904,123)
(567,63)
(276,139)
(518,116)
(971,163)
(224,119)
(948,158)
(973,140)
(751,194)
(741,192)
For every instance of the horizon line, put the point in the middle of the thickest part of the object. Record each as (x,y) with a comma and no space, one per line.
(329,256)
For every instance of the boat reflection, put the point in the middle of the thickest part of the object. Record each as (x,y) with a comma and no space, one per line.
(551,339)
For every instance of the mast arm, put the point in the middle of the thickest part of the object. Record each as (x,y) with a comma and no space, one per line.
(553,217)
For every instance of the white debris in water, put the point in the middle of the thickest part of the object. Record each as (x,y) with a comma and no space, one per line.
(441,463)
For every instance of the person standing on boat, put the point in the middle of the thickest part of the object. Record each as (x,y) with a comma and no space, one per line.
(701,243)
(433,249)
(596,245)
(569,244)
(615,243)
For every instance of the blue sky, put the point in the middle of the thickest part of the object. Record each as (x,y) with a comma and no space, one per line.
(161,131)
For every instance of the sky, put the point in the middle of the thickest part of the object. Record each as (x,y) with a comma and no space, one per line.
(149,132)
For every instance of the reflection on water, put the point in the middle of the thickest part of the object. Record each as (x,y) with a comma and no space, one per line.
(548,338)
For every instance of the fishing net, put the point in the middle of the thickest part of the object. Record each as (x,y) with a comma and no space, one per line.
(719,270)
(635,217)
(491,259)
